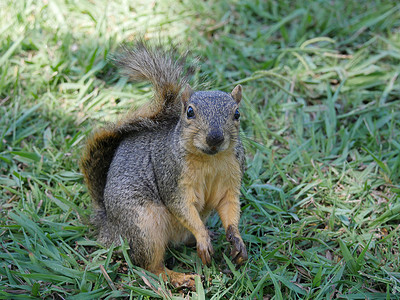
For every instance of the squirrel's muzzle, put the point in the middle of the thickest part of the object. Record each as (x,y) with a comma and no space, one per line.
(215,138)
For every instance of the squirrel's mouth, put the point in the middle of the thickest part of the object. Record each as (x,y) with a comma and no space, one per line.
(211,150)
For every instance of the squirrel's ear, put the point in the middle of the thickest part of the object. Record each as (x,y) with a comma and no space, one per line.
(186,94)
(237,93)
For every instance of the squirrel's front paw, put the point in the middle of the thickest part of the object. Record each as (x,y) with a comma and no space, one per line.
(205,251)
(238,252)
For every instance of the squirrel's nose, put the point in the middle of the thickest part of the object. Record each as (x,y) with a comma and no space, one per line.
(215,138)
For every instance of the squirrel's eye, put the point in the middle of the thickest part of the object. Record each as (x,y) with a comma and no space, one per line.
(190,112)
(237,114)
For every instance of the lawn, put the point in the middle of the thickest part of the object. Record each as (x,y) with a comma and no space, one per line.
(320,123)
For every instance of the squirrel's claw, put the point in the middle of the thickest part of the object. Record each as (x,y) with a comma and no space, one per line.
(180,280)
(238,252)
(205,251)
(186,281)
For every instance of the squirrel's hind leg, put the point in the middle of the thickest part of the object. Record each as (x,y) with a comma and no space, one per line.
(178,280)
(148,248)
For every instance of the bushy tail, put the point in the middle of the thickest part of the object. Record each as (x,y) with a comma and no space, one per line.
(95,162)
(168,74)
(165,69)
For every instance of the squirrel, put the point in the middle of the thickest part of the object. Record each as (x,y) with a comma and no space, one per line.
(155,176)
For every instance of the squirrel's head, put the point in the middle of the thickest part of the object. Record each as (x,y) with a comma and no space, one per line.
(210,120)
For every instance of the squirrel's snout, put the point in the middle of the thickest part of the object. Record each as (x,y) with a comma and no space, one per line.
(215,138)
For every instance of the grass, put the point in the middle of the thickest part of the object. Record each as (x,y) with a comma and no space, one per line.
(321,125)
